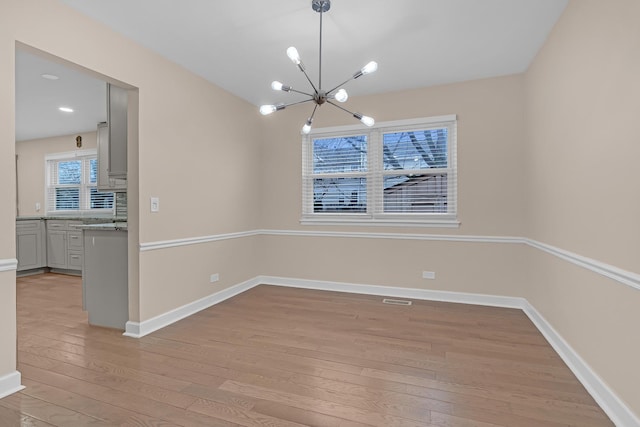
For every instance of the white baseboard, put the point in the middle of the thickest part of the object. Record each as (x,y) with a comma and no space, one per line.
(610,403)
(391,291)
(140,329)
(10,383)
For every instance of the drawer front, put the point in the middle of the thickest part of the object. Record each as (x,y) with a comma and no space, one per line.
(53,224)
(74,225)
(74,260)
(27,225)
(74,239)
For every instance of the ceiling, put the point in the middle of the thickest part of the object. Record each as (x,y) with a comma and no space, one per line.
(241,45)
(38,99)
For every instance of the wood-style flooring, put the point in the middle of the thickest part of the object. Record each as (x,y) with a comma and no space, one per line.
(276,356)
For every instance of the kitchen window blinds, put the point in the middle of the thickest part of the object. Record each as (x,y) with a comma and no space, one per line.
(71,184)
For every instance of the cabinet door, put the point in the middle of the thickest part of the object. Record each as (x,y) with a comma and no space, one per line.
(105,183)
(57,248)
(30,244)
(117,124)
(28,249)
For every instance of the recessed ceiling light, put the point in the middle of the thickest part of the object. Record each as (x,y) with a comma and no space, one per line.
(66,109)
(50,76)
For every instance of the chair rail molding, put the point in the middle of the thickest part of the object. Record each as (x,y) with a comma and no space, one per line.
(8,264)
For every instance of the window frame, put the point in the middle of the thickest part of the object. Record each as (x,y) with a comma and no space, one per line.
(84,188)
(375,173)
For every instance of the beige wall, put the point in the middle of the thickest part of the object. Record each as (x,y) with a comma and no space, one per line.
(473,267)
(582,95)
(490,160)
(490,151)
(583,109)
(8,196)
(31,170)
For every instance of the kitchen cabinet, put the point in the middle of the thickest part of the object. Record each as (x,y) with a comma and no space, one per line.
(64,245)
(105,278)
(30,244)
(105,182)
(117,101)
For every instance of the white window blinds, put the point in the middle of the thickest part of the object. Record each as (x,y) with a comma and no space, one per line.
(71,184)
(395,172)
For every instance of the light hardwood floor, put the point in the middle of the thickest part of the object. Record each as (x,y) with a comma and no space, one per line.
(277,356)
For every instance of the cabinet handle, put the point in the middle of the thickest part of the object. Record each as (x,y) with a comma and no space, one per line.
(75,256)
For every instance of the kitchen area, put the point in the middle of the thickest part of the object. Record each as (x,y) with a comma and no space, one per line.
(72,207)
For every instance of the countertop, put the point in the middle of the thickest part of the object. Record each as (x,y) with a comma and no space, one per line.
(85,219)
(88,222)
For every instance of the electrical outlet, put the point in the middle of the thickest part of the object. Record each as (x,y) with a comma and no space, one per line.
(37,206)
(214,278)
(428,274)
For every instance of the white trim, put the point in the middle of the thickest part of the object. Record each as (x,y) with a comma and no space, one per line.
(8,264)
(397,292)
(425,222)
(627,277)
(622,276)
(140,329)
(611,404)
(10,383)
(393,236)
(165,244)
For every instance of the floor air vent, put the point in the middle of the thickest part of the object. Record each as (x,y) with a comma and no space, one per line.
(395,301)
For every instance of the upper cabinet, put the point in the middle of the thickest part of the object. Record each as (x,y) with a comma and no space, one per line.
(105,183)
(112,142)
(117,125)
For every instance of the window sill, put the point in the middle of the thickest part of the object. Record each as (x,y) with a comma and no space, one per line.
(383,222)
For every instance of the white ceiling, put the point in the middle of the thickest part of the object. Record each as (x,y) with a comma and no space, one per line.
(38,99)
(240,45)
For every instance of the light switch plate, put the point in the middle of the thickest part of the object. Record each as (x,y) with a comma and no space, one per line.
(155,204)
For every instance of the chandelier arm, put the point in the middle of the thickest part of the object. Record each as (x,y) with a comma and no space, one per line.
(313,113)
(309,80)
(341,84)
(303,93)
(299,102)
(342,108)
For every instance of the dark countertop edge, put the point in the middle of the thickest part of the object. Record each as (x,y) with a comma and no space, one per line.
(115,226)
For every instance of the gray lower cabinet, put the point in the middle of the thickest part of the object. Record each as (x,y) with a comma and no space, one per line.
(30,244)
(64,244)
(104,278)
(57,249)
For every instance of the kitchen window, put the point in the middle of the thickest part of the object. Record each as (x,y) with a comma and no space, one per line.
(71,184)
(395,173)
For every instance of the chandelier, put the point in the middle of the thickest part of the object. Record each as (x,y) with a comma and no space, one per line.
(319,95)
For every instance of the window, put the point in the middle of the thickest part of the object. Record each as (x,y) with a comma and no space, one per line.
(72,184)
(395,173)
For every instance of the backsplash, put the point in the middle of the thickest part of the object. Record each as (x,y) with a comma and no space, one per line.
(121,205)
